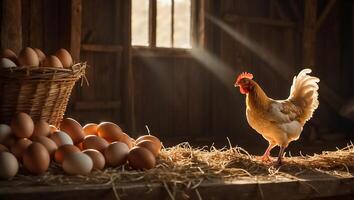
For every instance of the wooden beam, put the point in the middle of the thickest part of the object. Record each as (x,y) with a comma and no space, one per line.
(325,13)
(172,22)
(295,8)
(280,10)
(96,105)
(309,35)
(128,103)
(257,20)
(75,29)
(11,25)
(152,23)
(102,48)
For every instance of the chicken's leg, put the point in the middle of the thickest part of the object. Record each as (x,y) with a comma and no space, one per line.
(265,157)
(281,153)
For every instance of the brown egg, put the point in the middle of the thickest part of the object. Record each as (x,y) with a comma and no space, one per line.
(110,131)
(127,140)
(141,159)
(90,129)
(40,54)
(8,165)
(28,57)
(49,144)
(8,53)
(150,145)
(51,61)
(22,125)
(61,138)
(5,131)
(52,129)
(79,145)
(97,158)
(3,148)
(36,158)
(20,147)
(64,151)
(77,164)
(95,142)
(73,129)
(149,137)
(41,128)
(65,57)
(116,154)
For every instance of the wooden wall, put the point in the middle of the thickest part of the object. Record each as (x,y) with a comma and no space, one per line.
(189,94)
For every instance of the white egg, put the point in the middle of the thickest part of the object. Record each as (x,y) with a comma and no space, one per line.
(8,165)
(7,63)
(77,163)
(61,138)
(5,131)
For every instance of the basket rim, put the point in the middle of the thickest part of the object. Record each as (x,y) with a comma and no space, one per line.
(74,67)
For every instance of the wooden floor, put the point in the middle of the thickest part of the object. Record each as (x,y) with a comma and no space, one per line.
(312,188)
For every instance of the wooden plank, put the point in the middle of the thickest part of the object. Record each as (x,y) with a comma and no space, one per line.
(102,48)
(309,35)
(232,18)
(36,24)
(96,105)
(160,52)
(128,112)
(11,25)
(325,13)
(172,22)
(75,28)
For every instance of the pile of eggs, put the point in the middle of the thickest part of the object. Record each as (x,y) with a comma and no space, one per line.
(35,57)
(78,150)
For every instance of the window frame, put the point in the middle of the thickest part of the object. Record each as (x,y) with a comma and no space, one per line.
(196,25)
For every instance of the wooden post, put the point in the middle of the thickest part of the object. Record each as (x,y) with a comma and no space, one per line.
(11,26)
(128,110)
(75,29)
(309,36)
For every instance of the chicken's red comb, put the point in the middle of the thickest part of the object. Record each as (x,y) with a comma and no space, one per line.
(244,75)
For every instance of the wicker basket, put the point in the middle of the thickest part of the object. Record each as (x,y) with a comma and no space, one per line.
(41,92)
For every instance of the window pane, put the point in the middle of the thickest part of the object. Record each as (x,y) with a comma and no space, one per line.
(163,23)
(140,22)
(182,23)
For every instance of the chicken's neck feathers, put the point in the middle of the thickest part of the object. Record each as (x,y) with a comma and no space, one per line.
(257,99)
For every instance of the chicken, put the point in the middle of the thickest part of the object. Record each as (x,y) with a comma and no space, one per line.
(279,121)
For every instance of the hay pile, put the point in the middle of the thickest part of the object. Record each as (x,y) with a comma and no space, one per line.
(189,167)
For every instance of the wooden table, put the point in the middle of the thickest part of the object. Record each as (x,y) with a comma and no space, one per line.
(280,188)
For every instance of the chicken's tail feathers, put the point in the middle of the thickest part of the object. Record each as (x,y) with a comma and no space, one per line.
(304,93)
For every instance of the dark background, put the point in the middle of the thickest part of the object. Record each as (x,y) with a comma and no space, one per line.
(188,95)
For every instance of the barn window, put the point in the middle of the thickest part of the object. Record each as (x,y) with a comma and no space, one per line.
(161,23)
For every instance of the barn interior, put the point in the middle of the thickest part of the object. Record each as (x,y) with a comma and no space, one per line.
(168,67)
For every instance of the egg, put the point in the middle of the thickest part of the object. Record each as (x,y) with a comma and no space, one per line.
(65,58)
(116,154)
(141,159)
(90,129)
(51,61)
(36,158)
(151,138)
(5,131)
(40,54)
(77,164)
(28,57)
(52,129)
(22,125)
(49,144)
(73,128)
(8,165)
(63,151)
(127,140)
(96,157)
(9,141)
(20,147)
(41,128)
(110,131)
(7,63)
(79,145)
(149,145)
(3,148)
(61,138)
(8,53)
(94,142)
